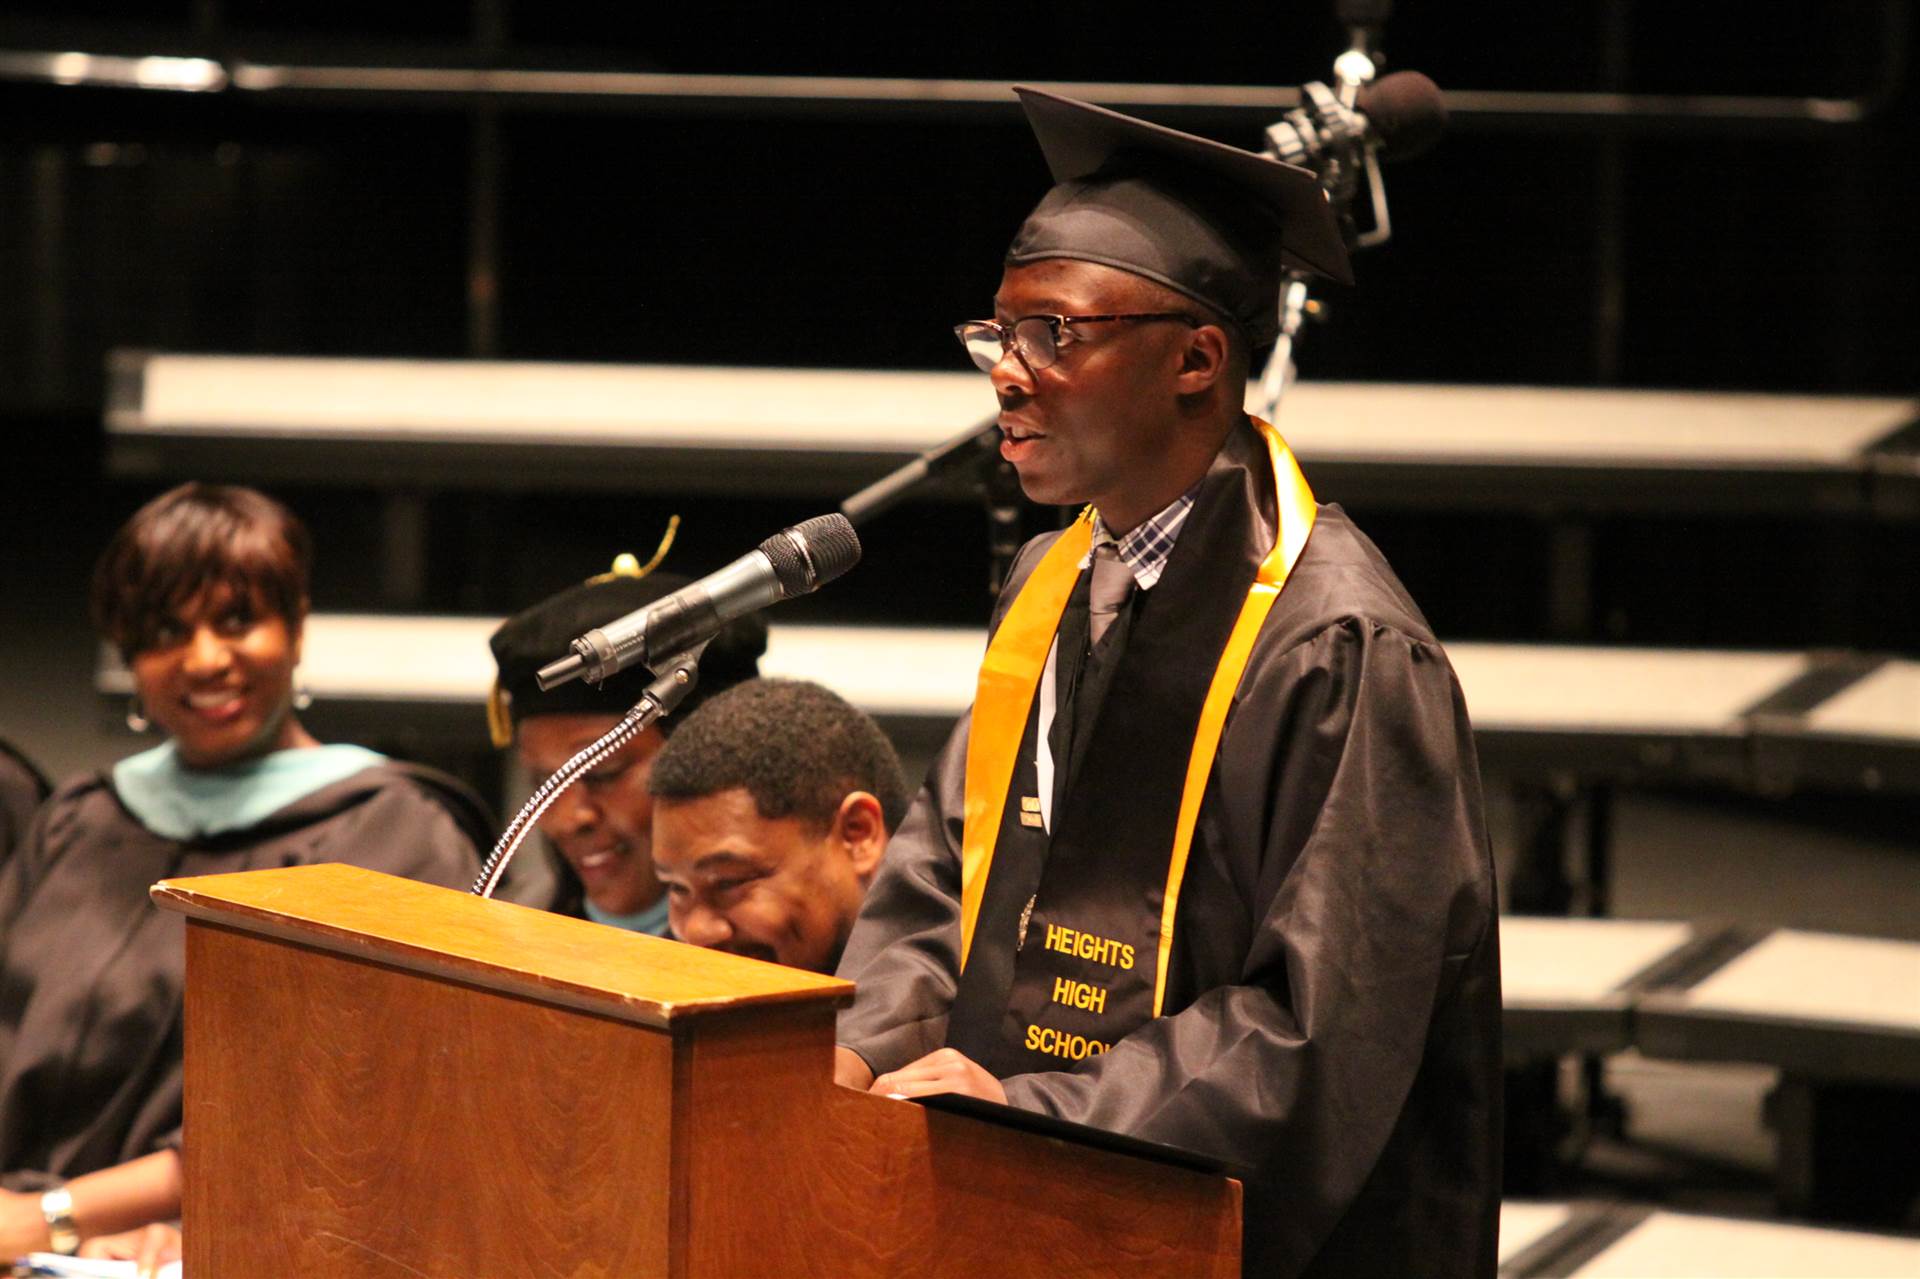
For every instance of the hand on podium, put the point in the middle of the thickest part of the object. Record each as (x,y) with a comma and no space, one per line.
(149,1247)
(941,1071)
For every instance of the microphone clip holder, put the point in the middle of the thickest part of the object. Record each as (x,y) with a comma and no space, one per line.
(1327,133)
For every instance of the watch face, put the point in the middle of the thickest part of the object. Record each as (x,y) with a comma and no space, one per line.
(57,1207)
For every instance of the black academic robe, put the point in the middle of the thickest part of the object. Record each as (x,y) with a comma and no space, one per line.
(92,975)
(22,790)
(1332,1018)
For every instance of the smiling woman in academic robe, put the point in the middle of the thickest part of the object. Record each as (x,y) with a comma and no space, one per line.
(204,592)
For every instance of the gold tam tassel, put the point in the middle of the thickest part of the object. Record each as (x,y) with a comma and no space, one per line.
(626,564)
(499,721)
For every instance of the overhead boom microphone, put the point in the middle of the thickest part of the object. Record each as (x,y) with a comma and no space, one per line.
(1400,116)
(793,562)
(1405,114)
(971,448)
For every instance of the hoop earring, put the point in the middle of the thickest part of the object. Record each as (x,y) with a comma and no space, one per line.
(302,695)
(137,720)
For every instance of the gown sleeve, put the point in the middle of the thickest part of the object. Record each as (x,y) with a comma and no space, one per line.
(51,827)
(406,830)
(904,950)
(21,794)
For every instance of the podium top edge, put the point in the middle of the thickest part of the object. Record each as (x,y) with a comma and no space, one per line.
(363,914)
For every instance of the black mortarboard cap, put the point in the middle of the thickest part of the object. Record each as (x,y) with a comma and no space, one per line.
(535,636)
(1209,221)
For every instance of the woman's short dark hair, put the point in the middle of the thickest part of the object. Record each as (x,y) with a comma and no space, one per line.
(192,538)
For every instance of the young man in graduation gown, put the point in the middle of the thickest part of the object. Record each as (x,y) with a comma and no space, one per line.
(1206,863)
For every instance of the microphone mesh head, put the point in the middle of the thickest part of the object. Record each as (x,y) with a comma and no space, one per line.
(1406,112)
(832,545)
(808,556)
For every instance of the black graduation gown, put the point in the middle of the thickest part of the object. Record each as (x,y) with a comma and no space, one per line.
(92,975)
(21,791)
(1333,1003)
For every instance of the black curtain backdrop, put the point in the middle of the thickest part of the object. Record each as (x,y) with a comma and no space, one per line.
(1676,258)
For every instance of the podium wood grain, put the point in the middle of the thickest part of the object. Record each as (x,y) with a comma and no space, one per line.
(389,1079)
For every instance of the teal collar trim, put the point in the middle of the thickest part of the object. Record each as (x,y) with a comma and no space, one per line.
(652,920)
(177,802)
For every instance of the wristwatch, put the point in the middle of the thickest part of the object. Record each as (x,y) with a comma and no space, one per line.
(57,1207)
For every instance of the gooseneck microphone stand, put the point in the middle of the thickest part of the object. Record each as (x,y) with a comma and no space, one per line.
(674,678)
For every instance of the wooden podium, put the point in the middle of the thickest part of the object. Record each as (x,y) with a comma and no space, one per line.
(390,1079)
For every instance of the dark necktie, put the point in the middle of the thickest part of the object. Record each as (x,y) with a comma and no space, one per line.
(1084,668)
(1112,585)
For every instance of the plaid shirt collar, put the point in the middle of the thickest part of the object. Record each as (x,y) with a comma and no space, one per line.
(1145,548)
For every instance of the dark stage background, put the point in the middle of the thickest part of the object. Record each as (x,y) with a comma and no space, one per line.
(1528,250)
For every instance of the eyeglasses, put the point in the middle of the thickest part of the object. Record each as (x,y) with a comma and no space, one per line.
(1036,338)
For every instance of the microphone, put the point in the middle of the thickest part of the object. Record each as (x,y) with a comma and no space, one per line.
(1405,114)
(1400,116)
(794,561)
(1340,135)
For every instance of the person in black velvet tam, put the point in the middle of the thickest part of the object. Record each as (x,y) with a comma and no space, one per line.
(1206,862)
(601,826)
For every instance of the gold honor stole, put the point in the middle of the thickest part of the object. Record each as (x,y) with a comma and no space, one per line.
(1010,675)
